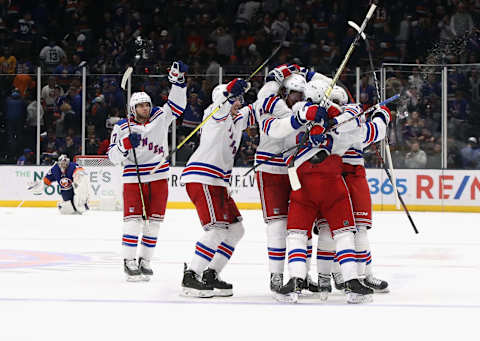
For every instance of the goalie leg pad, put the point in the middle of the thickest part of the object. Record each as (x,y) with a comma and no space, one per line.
(226,248)
(66,207)
(276,244)
(131,230)
(206,247)
(81,189)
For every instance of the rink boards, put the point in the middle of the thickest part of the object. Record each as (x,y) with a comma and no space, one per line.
(422,190)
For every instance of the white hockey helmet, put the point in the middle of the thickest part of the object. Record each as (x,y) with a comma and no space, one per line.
(137,98)
(315,90)
(63,161)
(294,82)
(339,95)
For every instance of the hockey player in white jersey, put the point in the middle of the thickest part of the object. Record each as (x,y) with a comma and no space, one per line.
(284,88)
(275,101)
(320,168)
(207,175)
(149,137)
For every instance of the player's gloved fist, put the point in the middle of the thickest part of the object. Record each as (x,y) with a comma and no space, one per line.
(384,113)
(177,72)
(132,141)
(281,72)
(317,135)
(237,87)
(333,109)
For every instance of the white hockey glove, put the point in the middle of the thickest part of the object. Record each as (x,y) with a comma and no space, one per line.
(176,74)
(281,72)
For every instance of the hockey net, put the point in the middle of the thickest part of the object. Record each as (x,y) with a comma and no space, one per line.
(105,182)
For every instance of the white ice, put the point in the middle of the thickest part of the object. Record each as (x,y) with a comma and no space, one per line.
(434,278)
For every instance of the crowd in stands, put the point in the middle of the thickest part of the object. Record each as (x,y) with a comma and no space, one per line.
(64,36)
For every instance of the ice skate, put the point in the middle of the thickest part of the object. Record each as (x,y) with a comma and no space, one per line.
(378,285)
(276,281)
(338,280)
(192,286)
(324,285)
(132,271)
(220,288)
(145,269)
(357,292)
(289,292)
(309,286)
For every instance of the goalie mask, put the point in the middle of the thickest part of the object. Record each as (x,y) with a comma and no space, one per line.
(63,162)
(137,98)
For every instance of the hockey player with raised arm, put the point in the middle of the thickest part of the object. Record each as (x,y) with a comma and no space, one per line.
(323,192)
(207,175)
(274,108)
(370,131)
(284,88)
(74,185)
(149,137)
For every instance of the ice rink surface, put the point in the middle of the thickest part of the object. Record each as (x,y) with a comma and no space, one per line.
(61,278)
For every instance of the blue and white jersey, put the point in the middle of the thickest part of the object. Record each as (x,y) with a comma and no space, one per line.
(153,146)
(64,179)
(212,161)
(268,108)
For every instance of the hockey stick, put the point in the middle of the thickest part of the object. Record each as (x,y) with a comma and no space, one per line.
(292,170)
(399,196)
(217,108)
(125,77)
(387,143)
(369,110)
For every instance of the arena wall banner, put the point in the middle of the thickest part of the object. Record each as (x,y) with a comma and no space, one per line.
(422,190)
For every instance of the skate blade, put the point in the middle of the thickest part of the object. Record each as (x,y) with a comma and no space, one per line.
(307,293)
(381,291)
(190,292)
(323,295)
(354,298)
(222,292)
(146,278)
(136,278)
(288,298)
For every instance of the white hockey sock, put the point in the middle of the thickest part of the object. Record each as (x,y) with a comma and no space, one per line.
(325,251)
(205,249)
(276,245)
(309,254)
(361,250)
(346,255)
(149,239)
(368,264)
(131,230)
(297,253)
(225,249)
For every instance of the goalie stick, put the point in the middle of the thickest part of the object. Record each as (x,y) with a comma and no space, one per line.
(292,170)
(217,108)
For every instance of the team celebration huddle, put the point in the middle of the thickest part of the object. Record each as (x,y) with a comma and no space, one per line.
(310,176)
(309,172)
